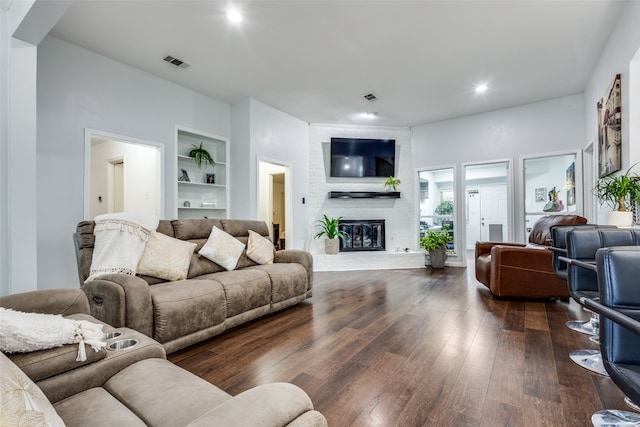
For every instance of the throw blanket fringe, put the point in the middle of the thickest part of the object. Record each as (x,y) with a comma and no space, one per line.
(25,332)
(120,240)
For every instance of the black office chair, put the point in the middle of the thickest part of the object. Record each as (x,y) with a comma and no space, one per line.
(618,270)
(582,245)
(559,249)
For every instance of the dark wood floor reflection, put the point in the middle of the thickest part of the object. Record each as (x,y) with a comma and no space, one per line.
(415,348)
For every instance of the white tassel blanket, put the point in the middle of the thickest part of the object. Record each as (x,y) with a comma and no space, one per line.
(120,240)
(25,332)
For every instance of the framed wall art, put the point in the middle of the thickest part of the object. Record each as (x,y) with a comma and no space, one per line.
(609,130)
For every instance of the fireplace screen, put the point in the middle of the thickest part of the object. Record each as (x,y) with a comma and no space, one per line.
(362,235)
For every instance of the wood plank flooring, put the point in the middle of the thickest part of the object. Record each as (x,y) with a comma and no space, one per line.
(415,347)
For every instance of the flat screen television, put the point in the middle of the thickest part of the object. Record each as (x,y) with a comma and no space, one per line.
(362,158)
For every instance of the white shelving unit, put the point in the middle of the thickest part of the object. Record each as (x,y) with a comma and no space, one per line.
(198,198)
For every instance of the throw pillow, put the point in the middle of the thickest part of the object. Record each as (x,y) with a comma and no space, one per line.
(222,248)
(23,403)
(25,332)
(259,249)
(166,257)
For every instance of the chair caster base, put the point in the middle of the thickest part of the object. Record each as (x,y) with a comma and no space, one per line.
(613,417)
(631,405)
(589,359)
(584,327)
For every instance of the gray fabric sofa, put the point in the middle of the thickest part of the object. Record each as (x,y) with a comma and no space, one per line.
(211,300)
(138,386)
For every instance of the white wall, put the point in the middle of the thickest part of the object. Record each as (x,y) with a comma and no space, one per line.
(277,137)
(621,48)
(542,127)
(79,89)
(397,213)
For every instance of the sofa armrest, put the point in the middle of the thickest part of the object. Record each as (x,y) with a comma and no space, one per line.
(530,258)
(276,404)
(121,300)
(48,301)
(301,257)
(484,248)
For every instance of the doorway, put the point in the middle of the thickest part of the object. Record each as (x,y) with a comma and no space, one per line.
(122,174)
(274,206)
(487,202)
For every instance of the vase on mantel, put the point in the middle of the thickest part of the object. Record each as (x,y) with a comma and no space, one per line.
(331,246)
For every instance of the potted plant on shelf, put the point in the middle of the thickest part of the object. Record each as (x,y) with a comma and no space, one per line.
(329,227)
(200,155)
(392,182)
(435,243)
(621,192)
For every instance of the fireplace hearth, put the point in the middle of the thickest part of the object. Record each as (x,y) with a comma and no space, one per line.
(362,235)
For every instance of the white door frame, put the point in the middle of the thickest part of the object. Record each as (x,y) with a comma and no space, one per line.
(288,208)
(88,133)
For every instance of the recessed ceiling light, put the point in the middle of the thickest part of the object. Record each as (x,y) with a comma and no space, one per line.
(371,115)
(481,88)
(234,15)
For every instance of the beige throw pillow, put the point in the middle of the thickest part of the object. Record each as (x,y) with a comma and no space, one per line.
(259,249)
(23,403)
(222,248)
(166,257)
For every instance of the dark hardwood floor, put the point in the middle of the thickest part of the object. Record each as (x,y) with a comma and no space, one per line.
(415,348)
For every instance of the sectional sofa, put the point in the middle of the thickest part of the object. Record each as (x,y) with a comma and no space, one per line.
(179,313)
(128,386)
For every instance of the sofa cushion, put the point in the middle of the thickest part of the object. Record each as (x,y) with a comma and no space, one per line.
(244,289)
(165,257)
(287,280)
(190,229)
(16,389)
(146,385)
(96,407)
(184,307)
(223,249)
(259,249)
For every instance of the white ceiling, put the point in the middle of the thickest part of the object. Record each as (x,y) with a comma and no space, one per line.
(316,59)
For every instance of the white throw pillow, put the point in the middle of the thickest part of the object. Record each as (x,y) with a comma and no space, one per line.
(222,248)
(23,403)
(166,257)
(259,249)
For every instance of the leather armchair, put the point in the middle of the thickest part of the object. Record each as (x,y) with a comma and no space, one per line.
(524,271)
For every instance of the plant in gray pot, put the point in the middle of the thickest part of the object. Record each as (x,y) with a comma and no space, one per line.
(435,242)
(329,227)
(621,192)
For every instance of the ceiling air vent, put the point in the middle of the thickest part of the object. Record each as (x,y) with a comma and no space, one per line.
(370,97)
(175,61)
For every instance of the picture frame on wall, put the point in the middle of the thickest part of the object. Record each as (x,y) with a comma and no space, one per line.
(210,178)
(610,130)
(541,194)
(571,184)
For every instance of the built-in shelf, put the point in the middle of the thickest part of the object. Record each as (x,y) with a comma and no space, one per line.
(364,194)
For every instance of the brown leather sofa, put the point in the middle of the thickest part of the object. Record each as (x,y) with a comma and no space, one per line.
(524,271)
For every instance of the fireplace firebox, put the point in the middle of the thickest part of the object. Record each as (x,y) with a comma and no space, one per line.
(362,235)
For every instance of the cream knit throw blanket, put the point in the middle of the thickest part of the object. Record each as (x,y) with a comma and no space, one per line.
(120,240)
(25,332)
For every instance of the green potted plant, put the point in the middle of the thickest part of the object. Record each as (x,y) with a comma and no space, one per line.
(435,243)
(392,182)
(620,192)
(200,155)
(329,227)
